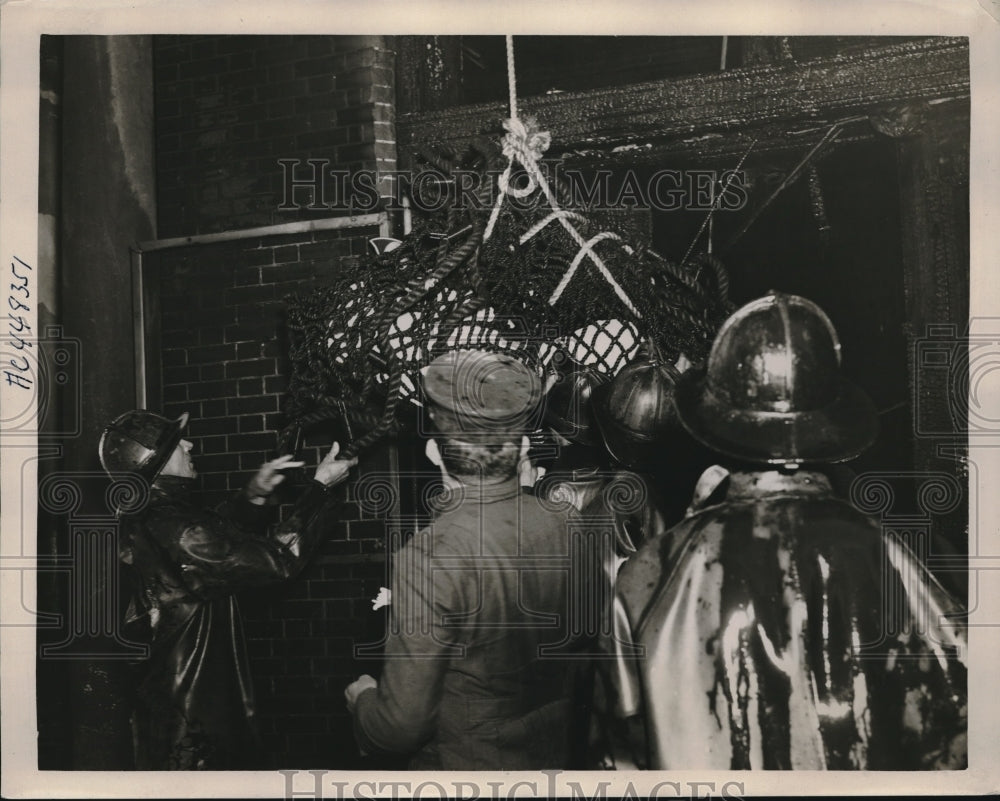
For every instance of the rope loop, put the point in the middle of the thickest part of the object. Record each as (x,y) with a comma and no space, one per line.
(524,141)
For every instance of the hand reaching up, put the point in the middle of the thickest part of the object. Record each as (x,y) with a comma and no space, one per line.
(268,477)
(331,470)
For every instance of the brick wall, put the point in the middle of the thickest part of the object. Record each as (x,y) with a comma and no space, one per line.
(227,108)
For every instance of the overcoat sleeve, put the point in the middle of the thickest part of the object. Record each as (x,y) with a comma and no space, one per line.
(400,714)
(217,555)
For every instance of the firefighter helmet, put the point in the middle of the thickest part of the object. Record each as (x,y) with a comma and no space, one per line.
(772,391)
(140,442)
(635,412)
(568,404)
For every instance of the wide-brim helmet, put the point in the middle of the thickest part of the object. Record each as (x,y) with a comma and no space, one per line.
(140,442)
(635,413)
(772,391)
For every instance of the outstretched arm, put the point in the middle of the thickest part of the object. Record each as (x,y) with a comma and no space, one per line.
(218,557)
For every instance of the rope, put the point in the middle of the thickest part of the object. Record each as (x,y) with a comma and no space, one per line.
(511,77)
(545,221)
(524,144)
(585,250)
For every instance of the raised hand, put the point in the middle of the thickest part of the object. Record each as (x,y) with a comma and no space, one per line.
(268,477)
(332,470)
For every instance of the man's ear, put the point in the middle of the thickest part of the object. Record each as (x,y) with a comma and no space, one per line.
(432,452)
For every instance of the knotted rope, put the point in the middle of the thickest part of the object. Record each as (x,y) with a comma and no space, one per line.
(524,144)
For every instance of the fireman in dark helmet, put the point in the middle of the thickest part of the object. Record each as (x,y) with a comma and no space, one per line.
(777,623)
(194,704)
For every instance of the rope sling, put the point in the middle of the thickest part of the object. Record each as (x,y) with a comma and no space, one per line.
(507,280)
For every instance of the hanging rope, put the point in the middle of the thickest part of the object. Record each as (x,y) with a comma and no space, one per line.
(511,76)
(524,144)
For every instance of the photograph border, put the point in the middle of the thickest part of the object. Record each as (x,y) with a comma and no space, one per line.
(21,25)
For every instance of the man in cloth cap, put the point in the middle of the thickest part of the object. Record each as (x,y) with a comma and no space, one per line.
(780,628)
(479,659)
(194,707)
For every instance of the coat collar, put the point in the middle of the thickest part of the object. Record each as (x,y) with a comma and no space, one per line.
(749,486)
(173,486)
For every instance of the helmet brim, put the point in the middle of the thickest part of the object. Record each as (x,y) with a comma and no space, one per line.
(165,446)
(573,431)
(168,444)
(837,432)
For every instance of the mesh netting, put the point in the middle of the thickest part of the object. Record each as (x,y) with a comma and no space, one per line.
(358,345)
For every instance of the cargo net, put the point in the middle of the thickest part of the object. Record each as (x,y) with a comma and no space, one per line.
(496,276)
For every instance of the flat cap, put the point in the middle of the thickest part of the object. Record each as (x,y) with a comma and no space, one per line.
(473,391)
